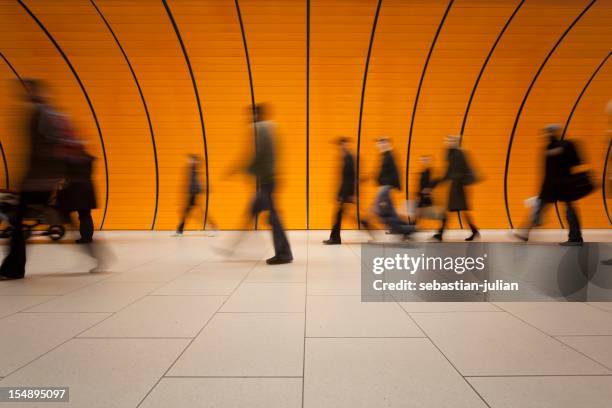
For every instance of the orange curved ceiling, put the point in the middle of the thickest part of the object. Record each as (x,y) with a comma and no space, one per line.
(148,82)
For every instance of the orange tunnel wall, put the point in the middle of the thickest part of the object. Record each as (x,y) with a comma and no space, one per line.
(148,82)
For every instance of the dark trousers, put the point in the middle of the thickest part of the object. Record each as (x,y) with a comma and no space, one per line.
(575,233)
(13,265)
(335,232)
(86,225)
(190,204)
(467,219)
(386,212)
(264,201)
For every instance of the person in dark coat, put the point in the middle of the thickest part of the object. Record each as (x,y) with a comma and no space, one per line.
(459,174)
(560,157)
(78,193)
(424,200)
(388,180)
(44,170)
(346,193)
(263,167)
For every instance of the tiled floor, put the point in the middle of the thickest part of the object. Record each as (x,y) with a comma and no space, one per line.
(173,323)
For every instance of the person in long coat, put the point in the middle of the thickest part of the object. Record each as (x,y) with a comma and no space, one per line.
(44,170)
(78,193)
(346,192)
(459,174)
(560,157)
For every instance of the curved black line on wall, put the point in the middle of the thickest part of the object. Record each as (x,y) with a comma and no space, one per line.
(569,119)
(418,94)
(603,182)
(525,97)
(2,153)
(363,91)
(144,104)
(479,77)
(248,63)
(197,96)
(82,86)
(307,114)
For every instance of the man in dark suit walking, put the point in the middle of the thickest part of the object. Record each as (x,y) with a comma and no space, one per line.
(346,193)
(263,167)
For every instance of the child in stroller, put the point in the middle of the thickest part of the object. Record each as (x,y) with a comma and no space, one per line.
(36,216)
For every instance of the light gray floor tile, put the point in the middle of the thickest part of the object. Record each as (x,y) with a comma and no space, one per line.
(25,336)
(355,373)
(493,343)
(267,297)
(545,392)
(159,316)
(12,304)
(347,316)
(207,279)
(101,372)
(427,307)
(562,318)
(226,393)
(49,284)
(246,344)
(599,348)
(101,297)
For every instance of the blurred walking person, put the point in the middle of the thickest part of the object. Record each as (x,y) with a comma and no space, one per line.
(459,174)
(346,192)
(387,180)
(78,193)
(194,190)
(263,167)
(44,170)
(559,184)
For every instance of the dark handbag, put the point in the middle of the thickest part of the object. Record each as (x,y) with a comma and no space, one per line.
(576,186)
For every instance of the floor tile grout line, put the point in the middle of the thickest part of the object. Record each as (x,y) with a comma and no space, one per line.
(305,314)
(189,343)
(582,335)
(537,375)
(558,340)
(597,307)
(131,338)
(443,355)
(366,337)
(232,376)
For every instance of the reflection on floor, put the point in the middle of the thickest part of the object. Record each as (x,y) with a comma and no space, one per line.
(174,324)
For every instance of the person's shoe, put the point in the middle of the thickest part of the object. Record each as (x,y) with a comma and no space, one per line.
(572,242)
(178,234)
(475,235)
(332,242)
(437,237)
(278,260)
(83,241)
(407,237)
(3,278)
(607,262)
(523,238)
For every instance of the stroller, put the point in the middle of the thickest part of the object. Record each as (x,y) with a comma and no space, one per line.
(36,216)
